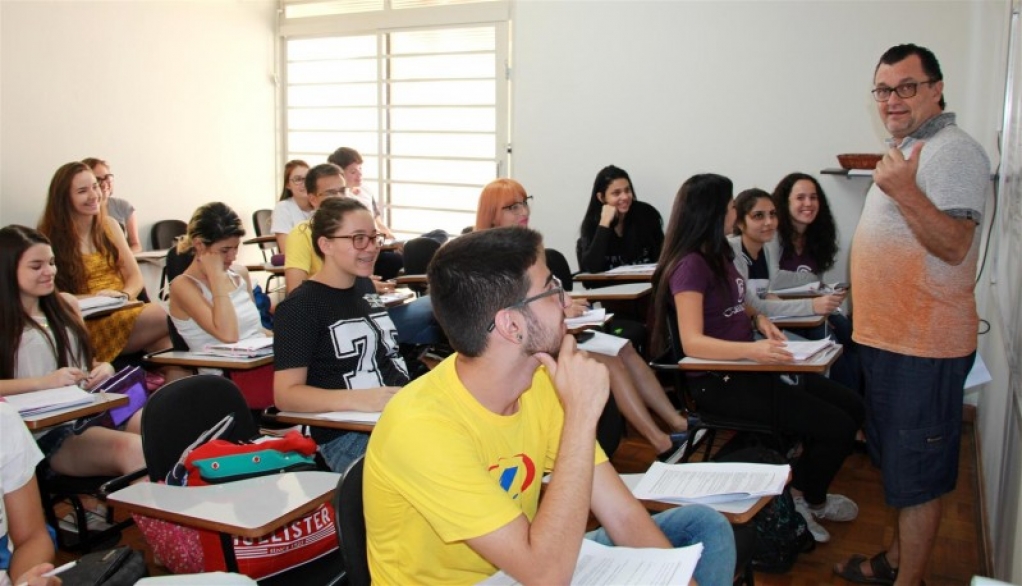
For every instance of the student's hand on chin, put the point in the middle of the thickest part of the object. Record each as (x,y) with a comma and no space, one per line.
(581,382)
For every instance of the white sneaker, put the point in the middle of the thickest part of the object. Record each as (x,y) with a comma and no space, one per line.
(819,533)
(837,508)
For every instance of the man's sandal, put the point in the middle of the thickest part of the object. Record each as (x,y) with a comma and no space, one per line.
(883,573)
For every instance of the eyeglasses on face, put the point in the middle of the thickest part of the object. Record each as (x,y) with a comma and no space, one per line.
(556,288)
(333,192)
(904,90)
(519,207)
(108,178)
(297,179)
(361,241)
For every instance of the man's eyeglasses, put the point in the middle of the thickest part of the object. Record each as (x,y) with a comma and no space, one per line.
(556,288)
(519,207)
(297,179)
(904,90)
(108,178)
(361,241)
(333,192)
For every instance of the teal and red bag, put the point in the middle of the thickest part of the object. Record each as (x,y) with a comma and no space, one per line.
(212,461)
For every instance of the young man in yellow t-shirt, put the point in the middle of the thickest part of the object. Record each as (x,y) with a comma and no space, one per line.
(454,467)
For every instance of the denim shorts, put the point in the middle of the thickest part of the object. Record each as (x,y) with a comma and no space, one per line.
(344,449)
(914,422)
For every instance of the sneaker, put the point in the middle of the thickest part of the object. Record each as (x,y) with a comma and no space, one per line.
(819,533)
(679,441)
(837,508)
(95,522)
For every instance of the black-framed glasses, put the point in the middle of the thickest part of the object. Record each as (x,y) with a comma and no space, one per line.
(297,179)
(556,288)
(108,178)
(333,192)
(904,90)
(361,241)
(519,207)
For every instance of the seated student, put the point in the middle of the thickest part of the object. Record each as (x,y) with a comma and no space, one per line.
(696,277)
(119,209)
(44,345)
(414,321)
(756,256)
(26,550)
(504,203)
(294,206)
(94,259)
(517,400)
(335,347)
(211,302)
(617,228)
(808,242)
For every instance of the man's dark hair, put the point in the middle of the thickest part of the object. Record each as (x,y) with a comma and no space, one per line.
(931,67)
(318,172)
(474,276)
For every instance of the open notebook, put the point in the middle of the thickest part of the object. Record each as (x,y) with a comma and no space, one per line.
(250,348)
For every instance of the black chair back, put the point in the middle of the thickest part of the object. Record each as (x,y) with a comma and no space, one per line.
(558,265)
(349,518)
(181,410)
(165,232)
(417,254)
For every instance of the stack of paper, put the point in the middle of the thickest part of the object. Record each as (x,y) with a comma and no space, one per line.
(91,305)
(711,482)
(48,400)
(808,289)
(251,348)
(592,317)
(396,295)
(803,351)
(599,564)
(646,269)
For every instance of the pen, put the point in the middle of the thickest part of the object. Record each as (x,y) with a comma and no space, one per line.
(61,569)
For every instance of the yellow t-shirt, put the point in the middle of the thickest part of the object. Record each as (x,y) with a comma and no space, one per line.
(300,254)
(441,469)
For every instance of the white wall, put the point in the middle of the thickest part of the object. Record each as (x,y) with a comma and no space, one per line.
(752,90)
(177,95)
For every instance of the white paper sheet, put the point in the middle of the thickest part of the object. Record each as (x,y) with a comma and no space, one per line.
(633,269)
(604,344)
(592,317)
(598,564)
(711,482)
(48,400)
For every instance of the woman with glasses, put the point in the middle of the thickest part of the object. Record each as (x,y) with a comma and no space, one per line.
(119,209)
(808,242)
(93,259)
(335,346)
(617,228)
(211,302)
(294,206)
(697,284)
(635,388)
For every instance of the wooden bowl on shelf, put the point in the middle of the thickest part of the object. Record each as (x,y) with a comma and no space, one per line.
(859,161)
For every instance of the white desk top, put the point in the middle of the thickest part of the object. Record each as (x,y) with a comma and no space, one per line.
(249,508)
(621,291)
(100,402)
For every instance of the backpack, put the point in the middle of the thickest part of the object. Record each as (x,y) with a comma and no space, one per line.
(781,533)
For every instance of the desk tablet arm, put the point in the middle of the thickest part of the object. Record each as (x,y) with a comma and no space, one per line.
(112,486)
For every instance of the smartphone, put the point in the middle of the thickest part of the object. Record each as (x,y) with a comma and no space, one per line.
(584,337)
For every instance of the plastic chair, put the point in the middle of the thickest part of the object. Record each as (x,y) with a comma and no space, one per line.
(165,232)
(261,221)
(349,518)
(417,254)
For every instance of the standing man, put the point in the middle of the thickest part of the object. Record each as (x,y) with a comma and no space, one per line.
(913,266)
(454,467)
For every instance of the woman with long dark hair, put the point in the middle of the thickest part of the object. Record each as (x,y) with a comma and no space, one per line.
(44,345)
(617,228)
(93,259)
(697,284)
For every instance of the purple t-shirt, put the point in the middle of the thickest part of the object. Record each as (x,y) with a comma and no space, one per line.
(797,263)
(724,314)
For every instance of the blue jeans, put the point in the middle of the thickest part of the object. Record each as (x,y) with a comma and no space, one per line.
(344,449)
(692,524)
(415,322)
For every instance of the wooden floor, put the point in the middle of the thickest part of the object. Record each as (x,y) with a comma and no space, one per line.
(956,559)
